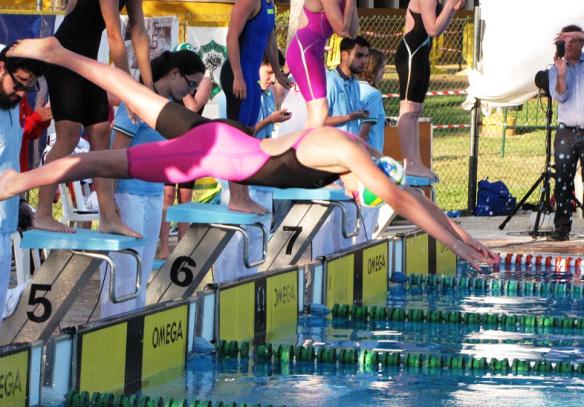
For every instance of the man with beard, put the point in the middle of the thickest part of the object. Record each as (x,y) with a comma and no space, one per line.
(345,109)
(17,77)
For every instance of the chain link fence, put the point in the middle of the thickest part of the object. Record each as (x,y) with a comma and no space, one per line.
(512,141)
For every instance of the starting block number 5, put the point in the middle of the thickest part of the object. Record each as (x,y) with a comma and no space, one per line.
(41,301)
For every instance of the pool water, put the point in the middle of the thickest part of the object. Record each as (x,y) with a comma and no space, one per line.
(312,384)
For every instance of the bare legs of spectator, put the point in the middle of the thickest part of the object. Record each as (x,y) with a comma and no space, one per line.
(184,195)
(317,112)
(408,130)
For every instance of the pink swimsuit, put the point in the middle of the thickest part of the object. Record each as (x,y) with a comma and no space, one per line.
(212,149)
(305,55)
(218,149)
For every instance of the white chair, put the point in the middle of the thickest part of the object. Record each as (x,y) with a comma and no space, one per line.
(78,212)
(22,259)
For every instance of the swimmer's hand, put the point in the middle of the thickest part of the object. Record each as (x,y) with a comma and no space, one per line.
(359,114)
(458,5)
(491,257)
(279,116)
(473,255)
(239,88)
(45,112)
(42,92)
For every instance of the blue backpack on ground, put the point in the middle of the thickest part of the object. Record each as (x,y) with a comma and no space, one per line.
(494,199)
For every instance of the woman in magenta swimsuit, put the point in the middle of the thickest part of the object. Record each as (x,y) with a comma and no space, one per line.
(305,54)
(198,147)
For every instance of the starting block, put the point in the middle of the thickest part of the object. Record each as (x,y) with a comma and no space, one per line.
(310,210)
(63,276)
(212,227)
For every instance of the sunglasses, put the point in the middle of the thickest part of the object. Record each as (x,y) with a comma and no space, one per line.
(19,86)
(192,84)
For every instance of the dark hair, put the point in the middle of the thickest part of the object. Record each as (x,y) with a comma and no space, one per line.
(12,64)
(375,63)
(187,62)
(571,28)
(347,44)
(281,58)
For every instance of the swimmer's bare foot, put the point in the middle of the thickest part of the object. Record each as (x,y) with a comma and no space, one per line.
(247,206)
(50,224)
(117,227)
(162,254)
(43,49)
(6,178)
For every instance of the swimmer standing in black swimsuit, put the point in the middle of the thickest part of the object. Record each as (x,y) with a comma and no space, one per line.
(424,19)
(80,106)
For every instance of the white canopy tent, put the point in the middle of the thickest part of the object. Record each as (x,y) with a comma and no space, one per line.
(517,41)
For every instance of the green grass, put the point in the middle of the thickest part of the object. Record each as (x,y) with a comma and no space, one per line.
(519,168)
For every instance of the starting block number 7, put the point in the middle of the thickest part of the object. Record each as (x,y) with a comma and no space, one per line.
(296,230)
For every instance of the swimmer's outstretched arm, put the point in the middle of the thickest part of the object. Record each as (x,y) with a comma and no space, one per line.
(411,205)
(141,100)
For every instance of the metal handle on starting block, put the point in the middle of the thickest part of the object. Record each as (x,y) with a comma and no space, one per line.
(241,230)
(345,226)
(112,286)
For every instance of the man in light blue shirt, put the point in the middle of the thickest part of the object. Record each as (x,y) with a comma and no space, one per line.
(567,88)
(345,108)
(17,77)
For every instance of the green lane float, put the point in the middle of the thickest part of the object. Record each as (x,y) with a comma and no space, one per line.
(510,287)
(83,399)
(373,360)
(458,317)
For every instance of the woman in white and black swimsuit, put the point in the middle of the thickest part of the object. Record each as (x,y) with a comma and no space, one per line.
(424,19)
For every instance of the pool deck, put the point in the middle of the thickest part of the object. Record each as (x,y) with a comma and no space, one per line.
(513,239)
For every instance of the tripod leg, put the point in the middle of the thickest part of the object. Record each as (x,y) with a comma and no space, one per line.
(522,201)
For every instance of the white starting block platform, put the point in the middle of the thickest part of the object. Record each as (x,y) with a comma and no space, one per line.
(310,210)
(212,227)
(63,276)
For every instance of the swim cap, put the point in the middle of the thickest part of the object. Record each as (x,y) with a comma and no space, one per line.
(184,46)
(389,167)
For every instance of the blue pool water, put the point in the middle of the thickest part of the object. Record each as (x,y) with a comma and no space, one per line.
(308,384)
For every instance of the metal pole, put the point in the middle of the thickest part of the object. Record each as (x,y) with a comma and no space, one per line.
(475,118)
